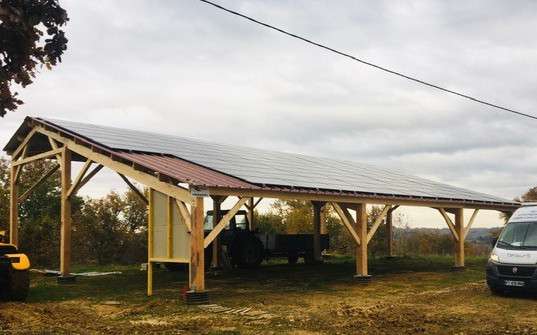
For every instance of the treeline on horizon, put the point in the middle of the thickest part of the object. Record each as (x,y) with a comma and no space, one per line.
(112,229)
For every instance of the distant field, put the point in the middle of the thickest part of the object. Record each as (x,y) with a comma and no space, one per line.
(406,296)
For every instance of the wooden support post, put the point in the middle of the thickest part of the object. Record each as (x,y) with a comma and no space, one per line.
(459,243)
(317,206)
(250,207)
(150,243)
(389,232)
(324,212)
(217,246)
(65,242)
(197,259)
(361,249)
(169,221)
(13,207)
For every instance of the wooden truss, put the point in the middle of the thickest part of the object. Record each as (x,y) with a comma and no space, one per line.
(191,208)
(458,230)
(359,230)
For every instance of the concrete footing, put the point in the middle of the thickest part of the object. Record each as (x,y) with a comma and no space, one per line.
(196,298)
(67,279)
(362,279)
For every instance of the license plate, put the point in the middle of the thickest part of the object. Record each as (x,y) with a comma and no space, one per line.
(515,283)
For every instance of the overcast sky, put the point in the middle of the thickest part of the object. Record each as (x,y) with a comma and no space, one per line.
(185,68)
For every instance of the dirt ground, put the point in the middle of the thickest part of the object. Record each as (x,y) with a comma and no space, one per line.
(406,296)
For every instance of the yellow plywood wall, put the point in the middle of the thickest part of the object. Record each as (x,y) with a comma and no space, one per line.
(180,238)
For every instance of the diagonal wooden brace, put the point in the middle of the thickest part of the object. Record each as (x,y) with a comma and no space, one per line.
(450,223)
(347,220)
(377,223)
(223,222)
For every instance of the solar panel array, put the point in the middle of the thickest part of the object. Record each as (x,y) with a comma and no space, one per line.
(265,167)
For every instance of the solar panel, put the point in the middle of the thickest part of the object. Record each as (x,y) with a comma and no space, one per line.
(264,167)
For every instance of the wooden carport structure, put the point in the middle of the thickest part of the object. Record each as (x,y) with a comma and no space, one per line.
(180,172)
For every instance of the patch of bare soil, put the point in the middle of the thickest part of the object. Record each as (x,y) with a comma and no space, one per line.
(353,309)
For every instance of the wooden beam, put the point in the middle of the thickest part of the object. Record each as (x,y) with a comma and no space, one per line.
(197,251)
(169,221)
(317,231)
(377,222)
(185,214)
(361,249)
(24,144)
(65,242)
(134,188)
(43,155)
(150,242)
(347,221)
(257,202)
(18,172)
(223,222)
(75,186)
(459,243)
(54,145)
(352,199)
(217,246)
(13,207)
(90,175)
(389,232)
(44,177)
(250,206)
(470,223)
(449,223)
(127,170)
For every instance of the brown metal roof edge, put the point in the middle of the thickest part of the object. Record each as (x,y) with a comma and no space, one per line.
(191,173)
(380,196)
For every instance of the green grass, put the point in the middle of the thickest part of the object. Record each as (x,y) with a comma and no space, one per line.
(130,286)
(406,292)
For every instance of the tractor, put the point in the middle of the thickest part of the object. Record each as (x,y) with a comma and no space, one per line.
(244,248)
(14,272)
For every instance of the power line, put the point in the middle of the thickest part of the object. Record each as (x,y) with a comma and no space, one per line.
(414,79)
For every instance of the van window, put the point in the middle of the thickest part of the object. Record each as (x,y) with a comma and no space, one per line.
(519,235)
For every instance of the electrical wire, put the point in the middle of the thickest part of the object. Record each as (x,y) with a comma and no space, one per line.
(379,67)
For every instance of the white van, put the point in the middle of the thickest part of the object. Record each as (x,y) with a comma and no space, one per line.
(513,259)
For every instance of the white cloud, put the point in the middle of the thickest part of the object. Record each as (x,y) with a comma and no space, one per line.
(184,68)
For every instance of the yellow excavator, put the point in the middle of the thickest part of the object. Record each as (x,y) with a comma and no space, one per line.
(14,272)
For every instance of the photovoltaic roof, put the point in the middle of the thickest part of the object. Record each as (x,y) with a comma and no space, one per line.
(270,168)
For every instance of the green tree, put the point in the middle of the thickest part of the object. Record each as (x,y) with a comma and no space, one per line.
(4,194)
(30,35)
(39,213)
(269,222)
(297,215)
(112,230)
(530,195)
